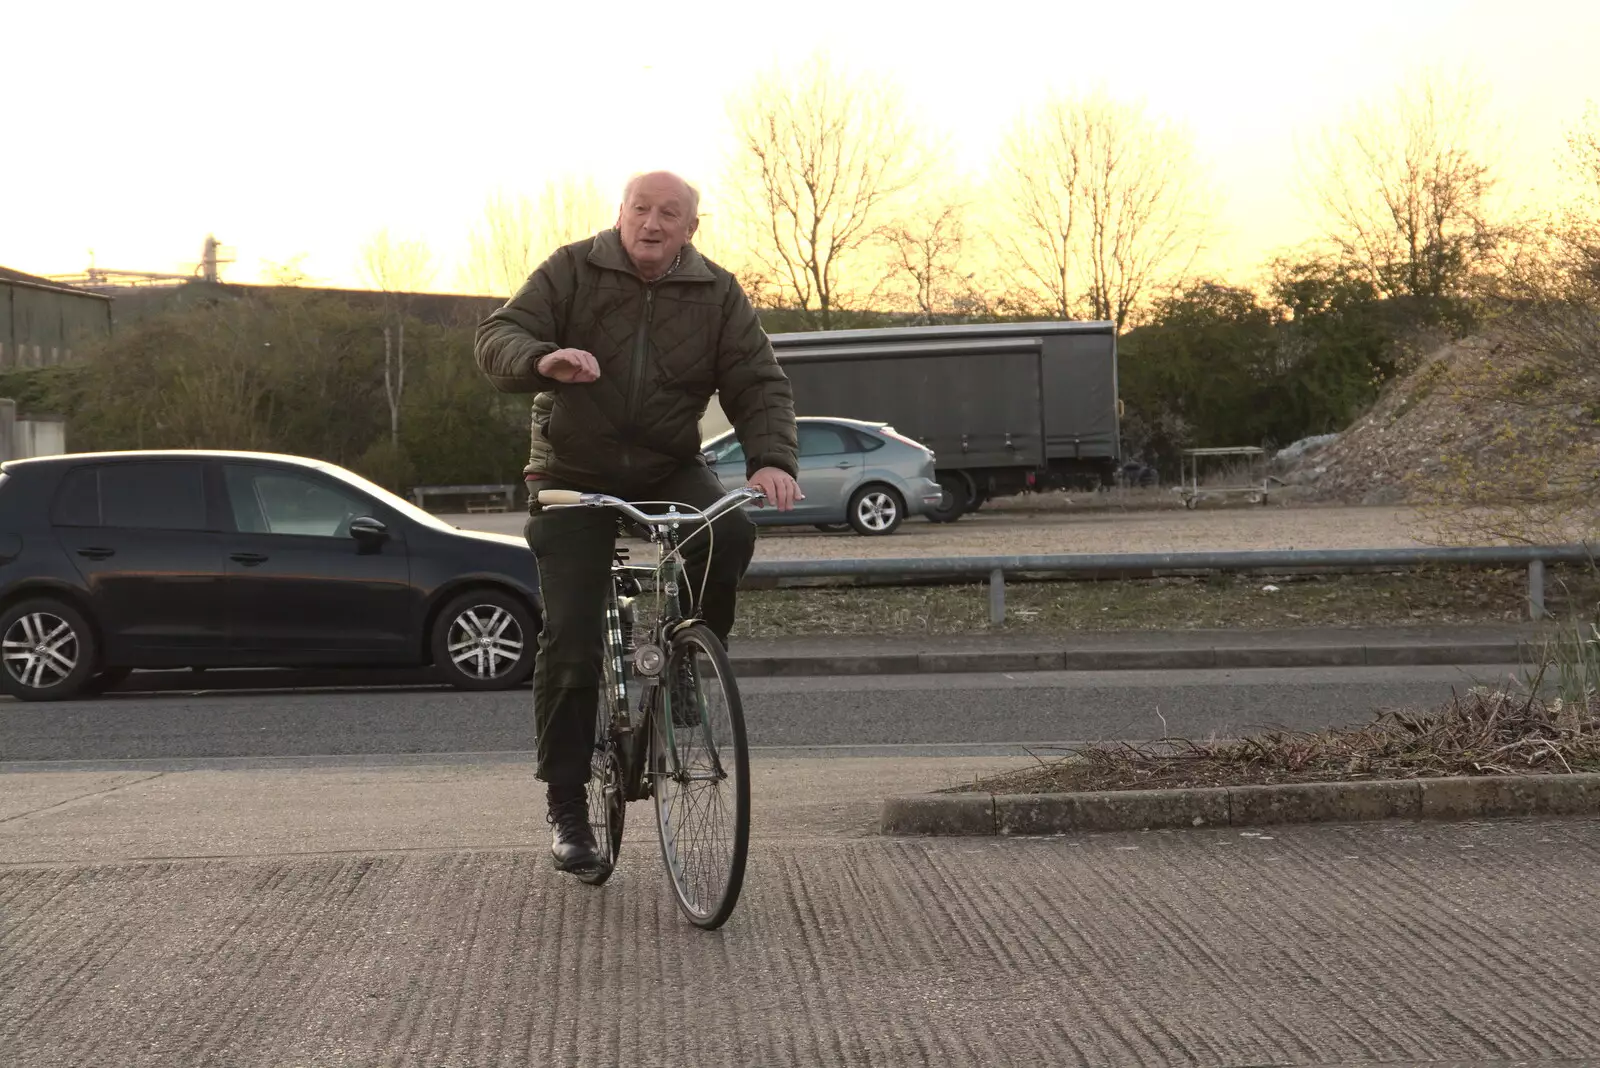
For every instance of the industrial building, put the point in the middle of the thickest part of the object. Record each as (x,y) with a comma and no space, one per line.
(43,323)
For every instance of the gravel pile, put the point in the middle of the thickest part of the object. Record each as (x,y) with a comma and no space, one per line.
(1419,423)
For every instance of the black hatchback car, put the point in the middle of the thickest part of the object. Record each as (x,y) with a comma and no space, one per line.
(111,562)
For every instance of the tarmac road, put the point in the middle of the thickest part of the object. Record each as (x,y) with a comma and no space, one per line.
(871,715)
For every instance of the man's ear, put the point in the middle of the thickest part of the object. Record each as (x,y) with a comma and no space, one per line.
(694,224)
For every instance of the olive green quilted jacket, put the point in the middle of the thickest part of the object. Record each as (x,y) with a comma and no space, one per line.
(663,350)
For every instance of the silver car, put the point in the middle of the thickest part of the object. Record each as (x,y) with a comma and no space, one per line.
(854,474)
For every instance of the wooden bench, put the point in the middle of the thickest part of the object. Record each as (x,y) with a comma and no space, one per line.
(481,498)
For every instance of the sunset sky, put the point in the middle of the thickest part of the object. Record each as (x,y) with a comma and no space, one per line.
(298,129)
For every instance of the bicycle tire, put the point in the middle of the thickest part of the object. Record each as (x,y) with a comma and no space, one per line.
(608,802)
(706,877)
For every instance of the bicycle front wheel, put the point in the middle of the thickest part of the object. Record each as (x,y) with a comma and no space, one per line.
(700,766)
(608,800)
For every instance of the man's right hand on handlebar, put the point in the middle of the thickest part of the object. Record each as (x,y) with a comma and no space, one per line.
(777,488)
(570,365)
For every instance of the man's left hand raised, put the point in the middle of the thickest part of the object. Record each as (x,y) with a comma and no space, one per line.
(781,490)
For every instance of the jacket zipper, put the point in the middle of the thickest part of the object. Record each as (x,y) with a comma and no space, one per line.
(641,347)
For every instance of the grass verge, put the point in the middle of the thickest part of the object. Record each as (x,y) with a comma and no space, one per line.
(1425,598)
(1479,733)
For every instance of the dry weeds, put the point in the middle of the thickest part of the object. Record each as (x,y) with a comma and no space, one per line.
(1479,733)
(1421,598)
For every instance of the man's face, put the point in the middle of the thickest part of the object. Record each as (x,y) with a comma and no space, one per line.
(656,222)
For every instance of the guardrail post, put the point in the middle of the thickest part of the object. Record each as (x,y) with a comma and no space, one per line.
(997,597)
(1536,589)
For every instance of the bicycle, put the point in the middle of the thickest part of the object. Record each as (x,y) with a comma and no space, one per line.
(656,753)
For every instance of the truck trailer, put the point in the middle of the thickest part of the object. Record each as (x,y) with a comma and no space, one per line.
(1006,408)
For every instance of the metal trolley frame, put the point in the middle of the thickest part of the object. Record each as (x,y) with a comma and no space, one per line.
(1255,490)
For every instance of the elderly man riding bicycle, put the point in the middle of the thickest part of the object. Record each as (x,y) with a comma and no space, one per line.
(625,336)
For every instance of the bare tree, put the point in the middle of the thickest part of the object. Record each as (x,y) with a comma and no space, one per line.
(1404,187)
(517,231)
(290,272)
(822,159)
(399,269)
(1106,203)
(931,262)
(1580,227)
(500,248)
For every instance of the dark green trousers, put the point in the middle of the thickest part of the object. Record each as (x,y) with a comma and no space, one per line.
(574,547)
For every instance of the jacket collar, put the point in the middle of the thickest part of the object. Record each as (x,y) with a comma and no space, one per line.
(607,252)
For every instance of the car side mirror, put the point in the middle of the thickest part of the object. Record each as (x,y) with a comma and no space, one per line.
(367,529)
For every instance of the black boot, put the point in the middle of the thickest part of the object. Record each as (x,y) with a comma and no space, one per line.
(573,846)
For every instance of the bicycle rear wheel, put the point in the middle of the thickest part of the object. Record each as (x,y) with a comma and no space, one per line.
(607,799)
(700,766)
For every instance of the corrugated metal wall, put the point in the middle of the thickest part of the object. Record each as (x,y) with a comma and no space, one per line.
(22,438)
(41,327)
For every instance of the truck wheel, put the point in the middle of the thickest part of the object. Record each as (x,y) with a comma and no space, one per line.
(876,510)
(956,502)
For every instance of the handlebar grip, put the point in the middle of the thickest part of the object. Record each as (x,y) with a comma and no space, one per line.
(560,497)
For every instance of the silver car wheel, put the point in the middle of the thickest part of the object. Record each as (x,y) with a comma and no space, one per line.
(877,511)
(485,641)
(40,650)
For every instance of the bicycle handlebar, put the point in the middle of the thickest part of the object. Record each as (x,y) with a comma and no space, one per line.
(577,499)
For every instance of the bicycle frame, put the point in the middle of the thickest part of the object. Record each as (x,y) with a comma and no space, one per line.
(634,729)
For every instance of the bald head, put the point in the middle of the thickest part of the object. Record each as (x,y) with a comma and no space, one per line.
(664,179)
(659,214)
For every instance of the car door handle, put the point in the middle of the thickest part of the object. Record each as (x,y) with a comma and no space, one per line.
(96,552)
(844,465)
(248,559)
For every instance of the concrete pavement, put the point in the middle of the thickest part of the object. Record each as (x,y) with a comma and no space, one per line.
(405,915)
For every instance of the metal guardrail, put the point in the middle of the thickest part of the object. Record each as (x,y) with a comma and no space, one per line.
(994,569)
(420,494)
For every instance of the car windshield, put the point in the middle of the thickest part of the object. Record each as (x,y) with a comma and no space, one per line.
(725,449)
(393,500)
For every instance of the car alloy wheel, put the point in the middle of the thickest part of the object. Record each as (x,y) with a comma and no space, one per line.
(486,642)
(48,650)
(41,650)
(485,639)
(875,510)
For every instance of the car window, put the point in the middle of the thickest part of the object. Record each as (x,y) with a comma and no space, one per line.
(819,439)
(158,495)
(728,452)
(77,502)
(266,501)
